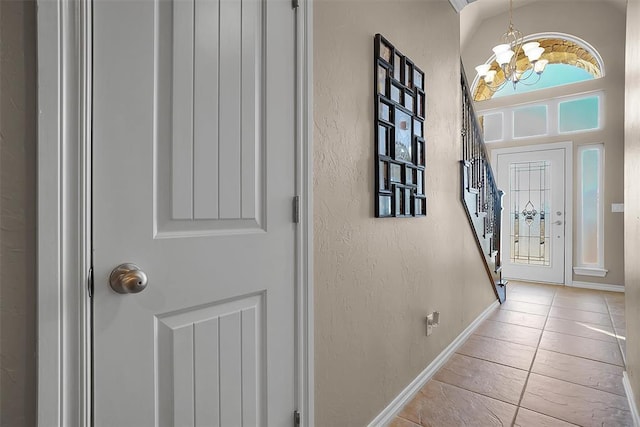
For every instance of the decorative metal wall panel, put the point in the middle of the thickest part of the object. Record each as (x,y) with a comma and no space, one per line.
(399,133)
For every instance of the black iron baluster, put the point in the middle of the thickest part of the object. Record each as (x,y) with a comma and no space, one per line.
(481,190)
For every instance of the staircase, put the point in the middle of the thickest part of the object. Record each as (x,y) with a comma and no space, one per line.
(481,197)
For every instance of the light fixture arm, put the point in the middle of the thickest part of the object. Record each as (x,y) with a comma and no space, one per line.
(506,56)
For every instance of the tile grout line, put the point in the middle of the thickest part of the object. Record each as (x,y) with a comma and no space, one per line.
(516,324)
(578,384)
(471,356)
(406,419)
(492,361)
(543,329)
(497,399)
(569,308)
(582,336)
(533,360)
(615,331)
(586,302)
(581,357)
(562,332)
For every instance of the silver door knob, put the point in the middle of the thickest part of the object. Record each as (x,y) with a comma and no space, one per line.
(558,222)
(128,279)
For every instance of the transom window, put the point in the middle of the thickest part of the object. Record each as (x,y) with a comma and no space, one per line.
(557,116)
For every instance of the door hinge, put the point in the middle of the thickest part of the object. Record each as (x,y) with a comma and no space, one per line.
(296,418)
(90,282)
(296,209)
(295,4)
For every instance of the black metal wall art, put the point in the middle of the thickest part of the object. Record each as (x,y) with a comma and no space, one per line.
(399,133)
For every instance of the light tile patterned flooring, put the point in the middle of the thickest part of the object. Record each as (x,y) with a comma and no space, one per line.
(549,356)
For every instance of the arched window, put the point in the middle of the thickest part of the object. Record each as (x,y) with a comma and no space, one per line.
(570,59)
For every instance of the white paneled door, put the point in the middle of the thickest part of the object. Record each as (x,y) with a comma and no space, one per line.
(194,176)
(533,215)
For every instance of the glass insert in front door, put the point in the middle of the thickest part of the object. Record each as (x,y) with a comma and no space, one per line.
(530,195)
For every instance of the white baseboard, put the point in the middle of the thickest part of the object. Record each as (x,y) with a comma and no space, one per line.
(597,286)
(632,401)
(405,396)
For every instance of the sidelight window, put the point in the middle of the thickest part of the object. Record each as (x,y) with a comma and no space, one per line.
(590,213)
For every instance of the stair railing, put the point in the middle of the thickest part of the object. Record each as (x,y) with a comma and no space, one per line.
(480,194)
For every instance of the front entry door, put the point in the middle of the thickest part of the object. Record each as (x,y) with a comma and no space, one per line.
(194,175)
(533,239)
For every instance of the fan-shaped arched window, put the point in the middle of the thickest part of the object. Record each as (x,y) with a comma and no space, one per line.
(571,60)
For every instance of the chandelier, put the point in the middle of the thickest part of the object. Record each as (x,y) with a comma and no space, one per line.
(507,55)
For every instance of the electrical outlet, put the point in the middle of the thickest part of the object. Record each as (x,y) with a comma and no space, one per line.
(433,320)
(429,324)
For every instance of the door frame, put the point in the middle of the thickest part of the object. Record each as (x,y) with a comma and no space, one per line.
(64,197)
(568,170)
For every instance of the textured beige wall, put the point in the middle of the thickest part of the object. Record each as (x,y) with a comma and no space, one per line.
(603,26)
(632,196)
(17,213)
(376,279)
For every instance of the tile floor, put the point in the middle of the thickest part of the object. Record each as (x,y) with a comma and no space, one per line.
(549,356)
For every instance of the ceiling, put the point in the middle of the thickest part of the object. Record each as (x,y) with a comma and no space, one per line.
(488,8)
(479,10)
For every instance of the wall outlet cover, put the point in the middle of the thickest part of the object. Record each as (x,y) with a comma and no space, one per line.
(429,324)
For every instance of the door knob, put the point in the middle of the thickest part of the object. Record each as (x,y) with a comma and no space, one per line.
(558,222)
(128,279)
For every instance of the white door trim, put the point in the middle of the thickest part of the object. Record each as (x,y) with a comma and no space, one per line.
(304,188)
(63,227)
(568,169)
(64,213)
